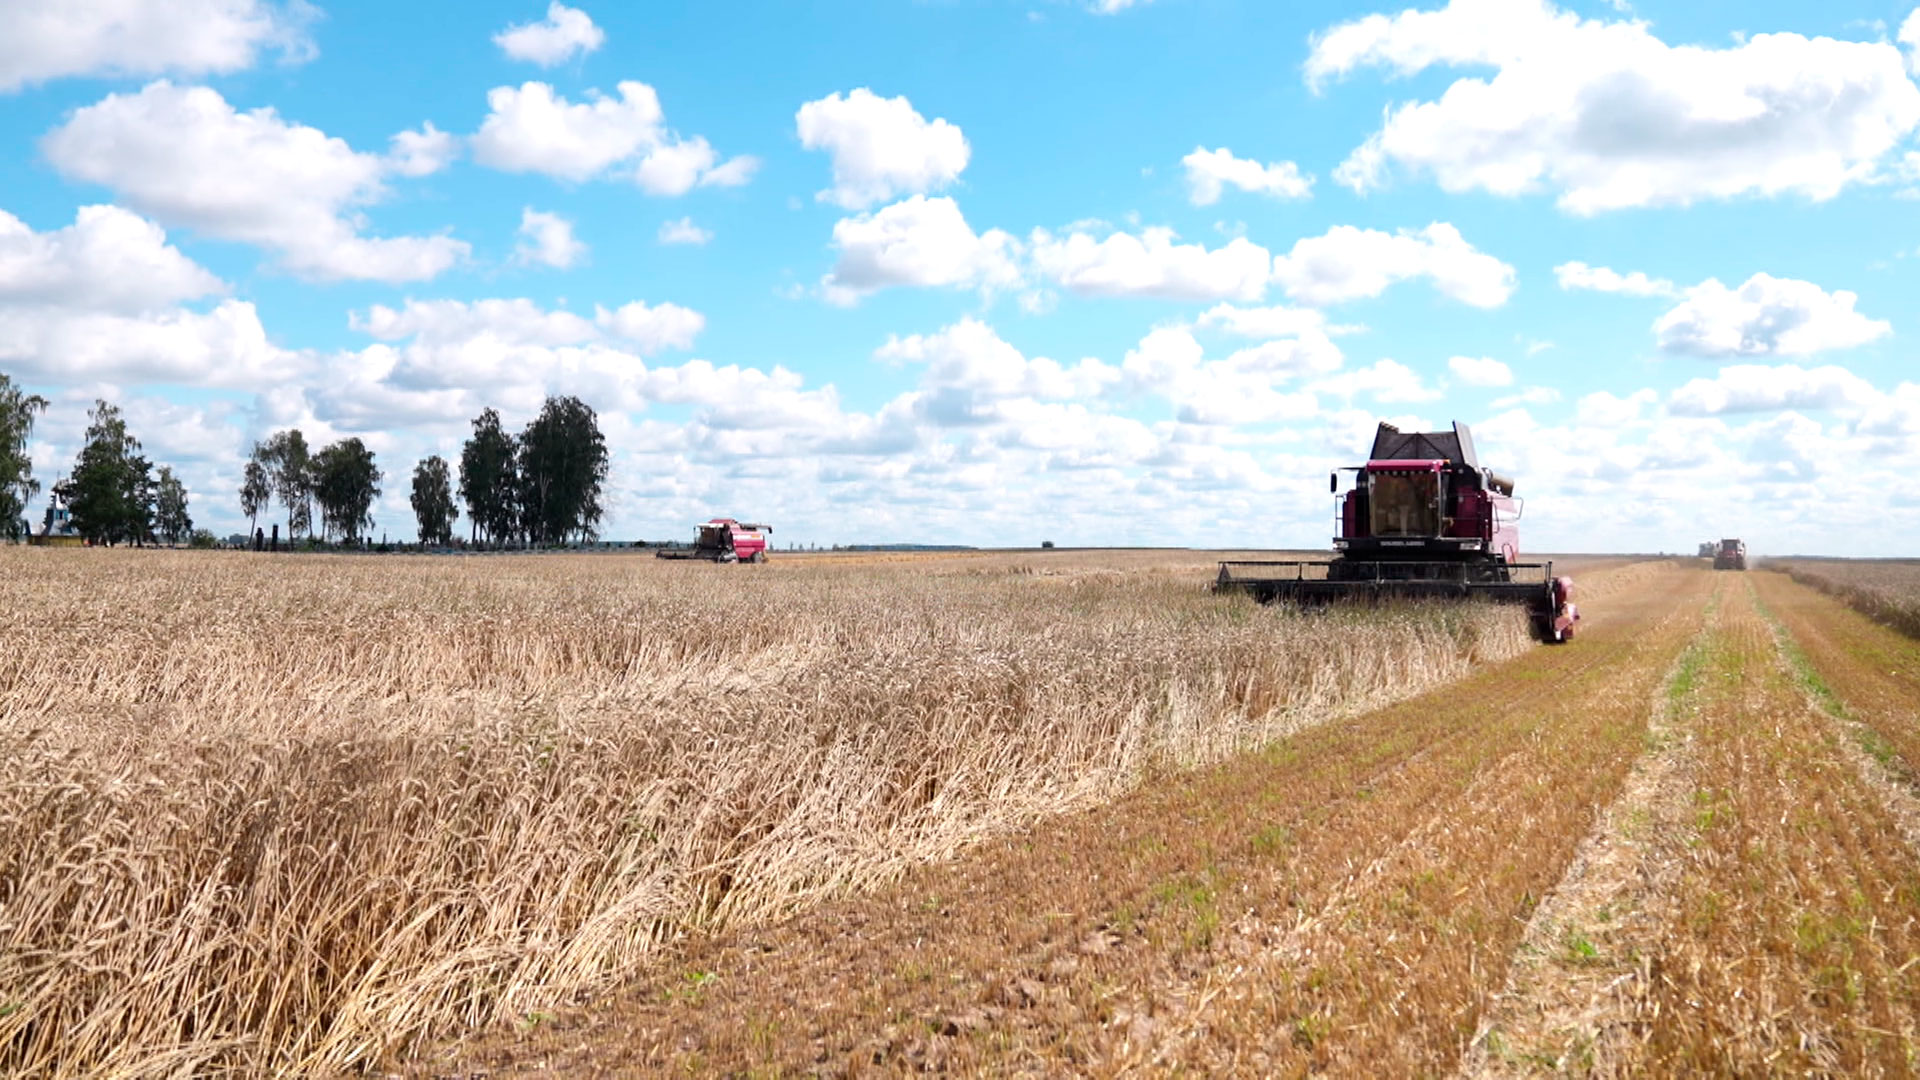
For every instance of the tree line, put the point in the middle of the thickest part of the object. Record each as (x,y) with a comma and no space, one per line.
(113,494)
(542,486)
(341,481)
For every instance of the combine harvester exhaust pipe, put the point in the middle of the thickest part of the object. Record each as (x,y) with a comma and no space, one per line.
(1423,519)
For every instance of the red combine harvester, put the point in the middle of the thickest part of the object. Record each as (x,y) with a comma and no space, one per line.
(1423,519)
(724,540)
(1731,556)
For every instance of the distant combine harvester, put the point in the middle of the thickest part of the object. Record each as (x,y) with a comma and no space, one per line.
(724,540)
(1731,556)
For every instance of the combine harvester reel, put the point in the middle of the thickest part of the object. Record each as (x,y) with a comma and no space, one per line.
(1423,519)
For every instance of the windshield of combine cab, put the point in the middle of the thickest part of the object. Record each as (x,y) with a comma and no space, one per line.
(1404,504)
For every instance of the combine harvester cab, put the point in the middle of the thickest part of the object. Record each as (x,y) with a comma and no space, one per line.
(1423,519)
(724,540)
(1731,556)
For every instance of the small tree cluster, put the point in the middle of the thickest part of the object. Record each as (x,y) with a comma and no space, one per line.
(110,491)
(433,501)
(541,487)
(17,485)
(341,482)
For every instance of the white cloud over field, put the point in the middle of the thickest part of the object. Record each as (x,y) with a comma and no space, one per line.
(1578,275)
(1348,263)
(565,34)
(1607,116)
(919,241)
(881,147)
(533,128)
(42,40)
(1765,316)
(185,157)
(1211,172)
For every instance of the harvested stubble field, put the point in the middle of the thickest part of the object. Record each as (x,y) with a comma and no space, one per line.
(299,814)
(1683,845)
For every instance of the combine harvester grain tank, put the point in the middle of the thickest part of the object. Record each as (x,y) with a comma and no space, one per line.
(1423,519)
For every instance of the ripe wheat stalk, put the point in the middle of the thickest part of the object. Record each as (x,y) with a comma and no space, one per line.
(295,814)
(1883,589)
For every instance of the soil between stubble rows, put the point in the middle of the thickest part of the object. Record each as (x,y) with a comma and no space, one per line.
(1353,899)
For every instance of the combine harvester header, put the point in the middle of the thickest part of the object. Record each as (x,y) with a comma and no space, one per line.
(1423,519)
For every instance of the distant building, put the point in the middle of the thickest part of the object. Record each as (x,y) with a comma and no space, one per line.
(56,527)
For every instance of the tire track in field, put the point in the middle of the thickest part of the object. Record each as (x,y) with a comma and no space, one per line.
(1866,677)
(1576,988)
(1386,973)
(1152,933)
(1793,941)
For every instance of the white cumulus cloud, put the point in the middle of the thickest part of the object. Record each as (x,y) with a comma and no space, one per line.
(1741,388)
(423,152)
(485,326)
(881,147)
(1578,275)
(1209,172)
(547,240)
(103,299)
(1152,264)
(1388,382)
(564,34)
(683,231)
(652,329)
(1480,371)
(1532,395)
(971,370)
(918,241)
(1609,116)
(109,259)
(530,128)
(505,321)
(1603,409)
(1269,322)
(225,347)
(185,156)
(1348,263)
(677,166)
(1765,316)
(51,39)
(1249,386)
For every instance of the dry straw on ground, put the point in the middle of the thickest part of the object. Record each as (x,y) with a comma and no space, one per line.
(286,814)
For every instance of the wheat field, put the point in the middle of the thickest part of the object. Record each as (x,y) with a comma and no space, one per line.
(1884,589)
(294,814)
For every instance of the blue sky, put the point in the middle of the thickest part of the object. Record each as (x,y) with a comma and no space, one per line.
(991,272)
